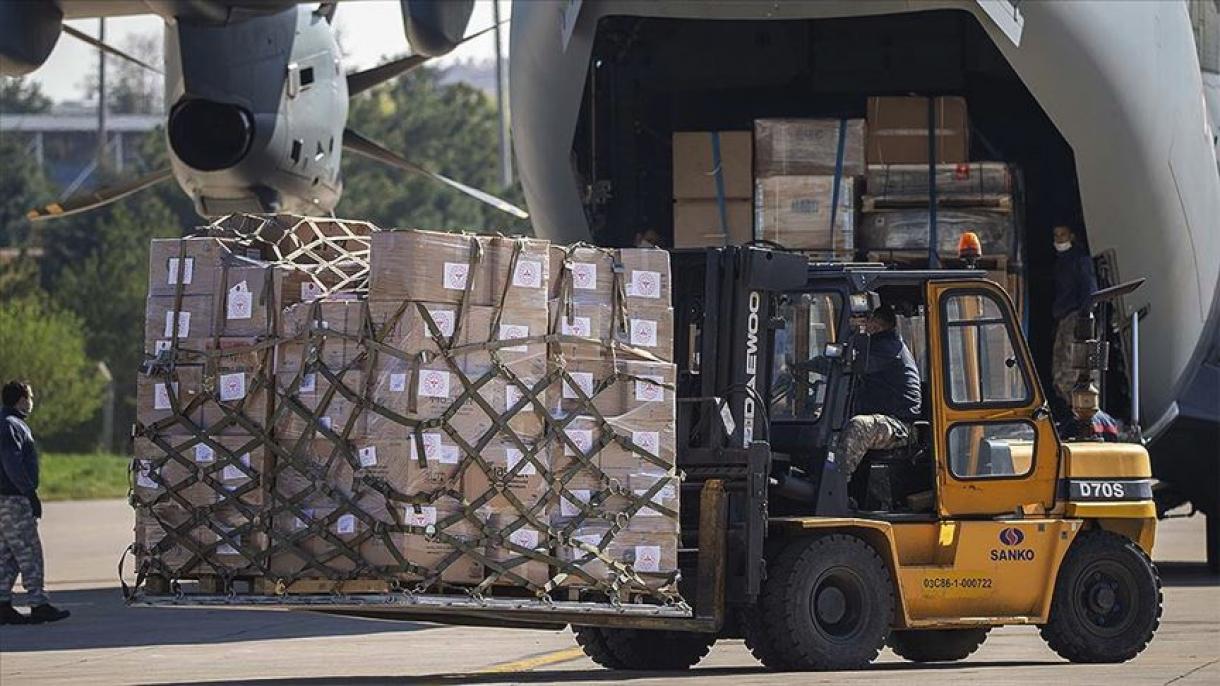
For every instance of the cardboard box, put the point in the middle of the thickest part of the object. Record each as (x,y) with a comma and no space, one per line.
(593,275)
(649,329)
(909,230)
(431,266)
(218,469)
(190,263)
(313,470)
(226,541)
(695,165)
(175,396)
(520,272)
(512,541)
(304,404)
(652,555)
(795,211)
(327,330)
(805,147)
(962,182)
(238,403)
(507,469)
(433,543)
(189,320)
(898,130)
(332,541)
(247,298)
(634,391)
(615,443)
(698,224)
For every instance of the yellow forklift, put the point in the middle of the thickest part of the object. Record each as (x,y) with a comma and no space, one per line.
(988,518)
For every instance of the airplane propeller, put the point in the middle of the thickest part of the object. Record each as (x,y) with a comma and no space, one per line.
(357,82)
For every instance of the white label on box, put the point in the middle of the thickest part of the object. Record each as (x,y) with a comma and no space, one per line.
(398,382)
(233,472)
(184,324)
(512,395)
(510,331)
(433,383)
(644,284)
(144,475)
(432,445)
(649,441)
(425,517)
(644,333)
(309,383)
(232,386)
(577,326)
(444,320)
(528,274)
(513,456)
(188,271)
(583,438)
(161,395)
(326,423)
(345,524)
(240,303)
(449,454)
(455,275)
(368,456)
(161,346)
(584,275)
(647,558)
(204,453)
(524,537)
(648,392)
(583,380)
(310,292)
(569,508)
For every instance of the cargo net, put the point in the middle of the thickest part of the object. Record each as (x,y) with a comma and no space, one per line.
(493,416)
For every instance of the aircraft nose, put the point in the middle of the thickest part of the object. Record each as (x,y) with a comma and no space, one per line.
(209,135)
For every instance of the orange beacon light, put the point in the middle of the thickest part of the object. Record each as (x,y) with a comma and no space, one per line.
(969,248)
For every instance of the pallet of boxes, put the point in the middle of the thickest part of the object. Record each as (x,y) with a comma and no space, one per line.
(980,197)
(484,415)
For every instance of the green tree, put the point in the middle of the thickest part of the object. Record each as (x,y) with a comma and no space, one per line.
(22,187)
(449,129)
(46,346)
(18,96)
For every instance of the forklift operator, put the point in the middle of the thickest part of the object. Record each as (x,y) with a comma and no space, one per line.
(888,393)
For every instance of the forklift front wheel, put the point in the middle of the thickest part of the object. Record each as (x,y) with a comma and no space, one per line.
(1107,601)
(937,645)
(641,649)
(827,604)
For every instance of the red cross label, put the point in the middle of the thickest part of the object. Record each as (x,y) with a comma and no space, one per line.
(455,276)
(584,275)
(645,284)
(647,558)
(648,440)
(433,383)
(648,392)
(528,274)
(232,386)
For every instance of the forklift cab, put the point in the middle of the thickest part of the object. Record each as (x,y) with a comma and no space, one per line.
(983,445)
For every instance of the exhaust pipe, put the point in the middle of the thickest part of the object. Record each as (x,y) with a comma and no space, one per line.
(210,136)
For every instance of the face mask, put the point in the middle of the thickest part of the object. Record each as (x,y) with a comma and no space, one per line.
(1063,247)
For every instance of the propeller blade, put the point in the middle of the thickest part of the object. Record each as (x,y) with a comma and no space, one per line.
(99,198)
(363,146)
(104,47)
(360,81)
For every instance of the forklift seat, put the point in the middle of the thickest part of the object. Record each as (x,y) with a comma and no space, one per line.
(885,477)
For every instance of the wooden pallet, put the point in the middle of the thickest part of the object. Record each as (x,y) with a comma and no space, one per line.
(992,203)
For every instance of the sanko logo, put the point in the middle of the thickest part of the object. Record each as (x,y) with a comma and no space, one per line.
(1011,536)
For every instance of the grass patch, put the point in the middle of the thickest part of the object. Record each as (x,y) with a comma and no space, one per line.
(82,477)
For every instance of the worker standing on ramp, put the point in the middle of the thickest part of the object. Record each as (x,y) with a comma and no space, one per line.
(1075,281)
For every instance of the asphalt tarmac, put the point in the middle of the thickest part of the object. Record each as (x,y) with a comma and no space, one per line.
(105,642)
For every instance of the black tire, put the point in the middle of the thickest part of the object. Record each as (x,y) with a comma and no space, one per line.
(1107,602)
(759,642)
(936,645)
(591,640)
(827,604)
(638,649)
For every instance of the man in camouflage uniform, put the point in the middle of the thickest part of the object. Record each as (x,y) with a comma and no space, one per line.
(20,547)
(1075,281)
(888,393)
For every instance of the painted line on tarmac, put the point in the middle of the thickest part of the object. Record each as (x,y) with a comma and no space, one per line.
(524,665)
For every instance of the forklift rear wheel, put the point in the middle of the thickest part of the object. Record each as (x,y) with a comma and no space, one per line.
(932,645)
(827,604)
(640,649)
(1107,600)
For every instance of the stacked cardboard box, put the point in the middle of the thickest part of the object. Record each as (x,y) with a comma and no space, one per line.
(898,129)
(806,172)
(613,409)
(472,419)
(712,187)
(199,464)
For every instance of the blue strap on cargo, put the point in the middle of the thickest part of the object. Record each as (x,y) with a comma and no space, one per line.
(834,191)
(718,172)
